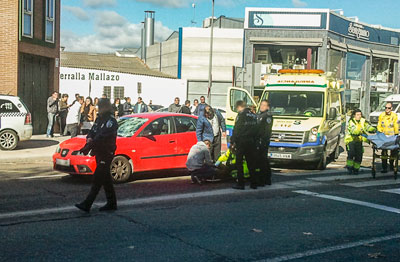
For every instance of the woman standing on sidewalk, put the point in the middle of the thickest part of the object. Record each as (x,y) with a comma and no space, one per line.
(88,114)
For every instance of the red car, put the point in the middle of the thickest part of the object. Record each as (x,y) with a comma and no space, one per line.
(145,142)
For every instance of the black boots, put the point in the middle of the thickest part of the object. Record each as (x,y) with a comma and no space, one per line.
(83,206)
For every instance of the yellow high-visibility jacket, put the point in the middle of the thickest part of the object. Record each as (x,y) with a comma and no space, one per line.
(230,159)
(355,129)
(387,124)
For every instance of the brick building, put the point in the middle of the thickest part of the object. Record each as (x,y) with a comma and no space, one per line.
(29,53)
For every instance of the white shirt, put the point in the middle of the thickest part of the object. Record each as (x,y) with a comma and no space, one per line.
(73,114)
(215,125)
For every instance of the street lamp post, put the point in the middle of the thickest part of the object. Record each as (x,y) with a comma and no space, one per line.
(211,55)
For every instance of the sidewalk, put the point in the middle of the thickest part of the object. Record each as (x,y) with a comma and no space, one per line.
(37,148)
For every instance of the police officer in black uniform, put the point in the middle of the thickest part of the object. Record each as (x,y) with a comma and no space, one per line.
(243,141)
(101,142)
(265,121)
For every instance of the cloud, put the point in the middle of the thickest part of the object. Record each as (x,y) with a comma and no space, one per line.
(168,3)
(99,3)
(77,12)
(299,3)
(111,32)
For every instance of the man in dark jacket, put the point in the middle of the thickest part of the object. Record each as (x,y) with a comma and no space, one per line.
(127,107)
(218,124)
(265,122)
(186,108)
(200,107)
(140,107)
(243,141)
(101,142)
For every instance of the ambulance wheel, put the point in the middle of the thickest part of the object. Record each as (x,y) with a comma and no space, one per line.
(323,161)
(8,140)
(121,169)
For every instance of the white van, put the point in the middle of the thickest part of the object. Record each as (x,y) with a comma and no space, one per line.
(394,99)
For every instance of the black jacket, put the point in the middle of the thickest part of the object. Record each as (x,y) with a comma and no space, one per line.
(104,136)
(127,109)
(185,110)
(245,131)
(265,122)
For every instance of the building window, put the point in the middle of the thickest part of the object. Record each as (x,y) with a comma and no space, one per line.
(107,91)
(382,70)
(119,92)
(355,67)
(285,57)
(27,18)
(336,63)
(50,21)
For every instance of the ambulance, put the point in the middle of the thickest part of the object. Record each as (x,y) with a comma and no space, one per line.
(309,116)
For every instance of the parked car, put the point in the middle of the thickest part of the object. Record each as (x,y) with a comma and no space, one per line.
(154,108)
(15,122)
(162,110)
(394,99)
(145,142)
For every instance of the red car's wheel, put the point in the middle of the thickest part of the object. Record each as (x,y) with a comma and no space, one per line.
(121,169)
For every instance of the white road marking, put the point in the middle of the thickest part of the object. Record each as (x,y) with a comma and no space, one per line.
(36,177)
(346,177)
(325,250)
(316,172)
(140,201)
(373,183)
(350,201)
(393,191)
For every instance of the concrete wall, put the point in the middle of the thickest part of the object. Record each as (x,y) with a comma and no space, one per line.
(227,52)
(168,63)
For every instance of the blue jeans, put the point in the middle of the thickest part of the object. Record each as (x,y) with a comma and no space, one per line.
(50,127)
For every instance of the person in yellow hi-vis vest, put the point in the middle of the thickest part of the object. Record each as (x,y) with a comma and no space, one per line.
(388,125)
(229,158)
(356,126)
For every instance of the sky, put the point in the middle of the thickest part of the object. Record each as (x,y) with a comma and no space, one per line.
(109,25)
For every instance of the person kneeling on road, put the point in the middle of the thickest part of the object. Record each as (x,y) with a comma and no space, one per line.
(356,127)
(101,142)
(199,162)
(229,169)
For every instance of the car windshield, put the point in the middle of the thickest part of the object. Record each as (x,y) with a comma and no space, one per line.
(383,106)
(128,126)
(296,103)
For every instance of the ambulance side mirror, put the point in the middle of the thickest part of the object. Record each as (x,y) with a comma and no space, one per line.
(332,113)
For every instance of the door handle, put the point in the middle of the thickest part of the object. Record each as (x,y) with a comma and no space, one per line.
(172,141)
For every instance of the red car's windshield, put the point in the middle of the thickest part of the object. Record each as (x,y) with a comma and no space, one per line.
(128,126)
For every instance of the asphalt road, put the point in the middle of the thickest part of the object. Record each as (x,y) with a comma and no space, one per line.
(304,216)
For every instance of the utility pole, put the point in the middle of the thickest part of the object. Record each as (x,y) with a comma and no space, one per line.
(211,54)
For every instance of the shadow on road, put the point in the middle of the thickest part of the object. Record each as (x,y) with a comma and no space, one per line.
(36,143)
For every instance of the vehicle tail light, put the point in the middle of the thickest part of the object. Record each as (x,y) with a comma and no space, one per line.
(28,119)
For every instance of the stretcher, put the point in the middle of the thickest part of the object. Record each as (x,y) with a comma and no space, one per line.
(382,142)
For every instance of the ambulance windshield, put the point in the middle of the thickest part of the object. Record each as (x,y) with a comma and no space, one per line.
(296,103)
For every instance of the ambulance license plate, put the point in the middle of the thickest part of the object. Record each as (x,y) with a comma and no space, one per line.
(280,156)
(62,162)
